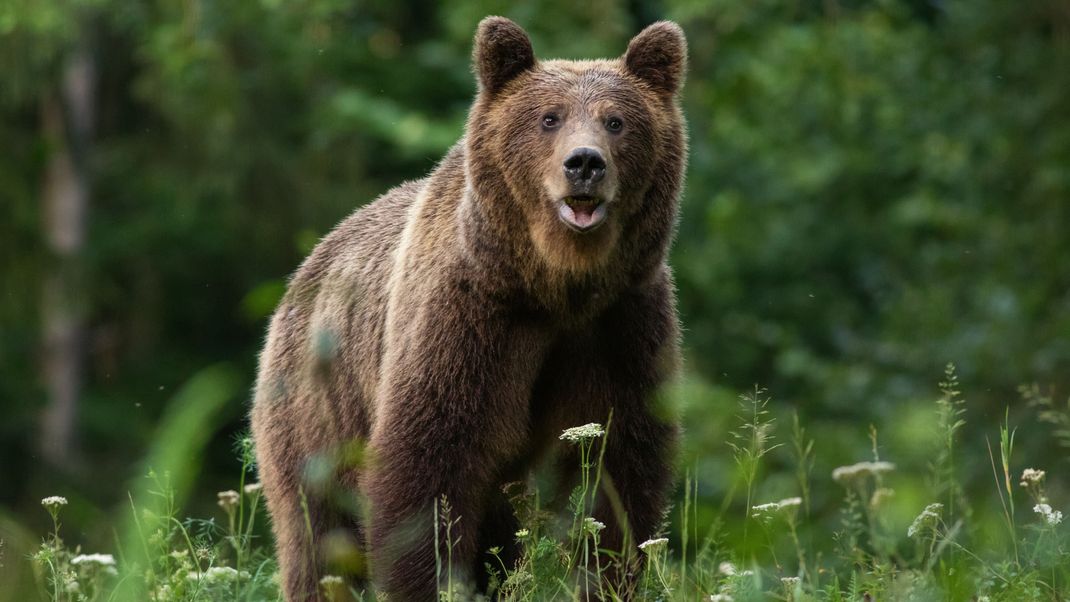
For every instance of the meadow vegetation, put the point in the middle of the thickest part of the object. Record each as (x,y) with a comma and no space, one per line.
(947,552)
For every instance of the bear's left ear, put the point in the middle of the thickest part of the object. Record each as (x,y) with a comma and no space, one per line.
(502,51)
(658,56)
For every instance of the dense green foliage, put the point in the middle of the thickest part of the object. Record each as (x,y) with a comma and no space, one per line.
(875,189)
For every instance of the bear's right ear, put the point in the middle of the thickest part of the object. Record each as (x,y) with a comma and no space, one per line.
(502,51)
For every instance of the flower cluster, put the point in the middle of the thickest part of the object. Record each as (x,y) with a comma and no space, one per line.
(593,526)
(218,575)
(163,592)
(54,502)
(846,474)
(926,520)
(767,511)
(1032,477)
(1051,517)
(652,546)
(331,580)
(880,496)
(575,434)
(333,588)
(1033,482)
(228,500)
(94,559)
(761,509)
(104,563)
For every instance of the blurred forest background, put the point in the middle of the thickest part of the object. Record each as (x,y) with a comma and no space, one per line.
(875,189)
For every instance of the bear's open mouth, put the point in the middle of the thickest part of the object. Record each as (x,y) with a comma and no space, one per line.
(582,213)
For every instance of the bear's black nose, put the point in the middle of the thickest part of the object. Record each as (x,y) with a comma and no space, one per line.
(585,165)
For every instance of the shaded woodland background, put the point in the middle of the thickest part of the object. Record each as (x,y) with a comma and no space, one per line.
(875,189)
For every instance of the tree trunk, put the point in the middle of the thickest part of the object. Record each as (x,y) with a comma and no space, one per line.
(67,119)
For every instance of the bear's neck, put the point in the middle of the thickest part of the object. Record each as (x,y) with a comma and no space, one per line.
(497,243)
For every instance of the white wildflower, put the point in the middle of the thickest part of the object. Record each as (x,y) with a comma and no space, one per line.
(228,500)
(94,559)
(652,546)
(521,534)
(726,568)
(849,473)
(70,583)
(54,501)
(791,502)
(1032,476)
(329,580)
(928,518)
(218,574)
(104,563)
(880,495)
(1052,517)
(252,488)
(721,598)
(593,526)
(746,573)
(790,581)
(582,433)
(764,510)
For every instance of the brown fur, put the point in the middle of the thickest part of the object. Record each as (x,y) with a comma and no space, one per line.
(457,325)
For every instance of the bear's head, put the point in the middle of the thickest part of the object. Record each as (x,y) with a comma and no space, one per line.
(584,157)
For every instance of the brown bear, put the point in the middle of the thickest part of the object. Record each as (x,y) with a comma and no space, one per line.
(459,323)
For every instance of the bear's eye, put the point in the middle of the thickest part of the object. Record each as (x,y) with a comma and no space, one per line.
(550,121)
(614,124)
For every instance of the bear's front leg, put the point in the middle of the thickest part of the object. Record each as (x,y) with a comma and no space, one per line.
(451,413)
(639,341)
(638,465)
(617,369)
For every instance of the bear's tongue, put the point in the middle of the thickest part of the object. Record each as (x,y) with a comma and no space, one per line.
(583,213)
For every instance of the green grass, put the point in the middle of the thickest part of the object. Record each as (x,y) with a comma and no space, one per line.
(762,550)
